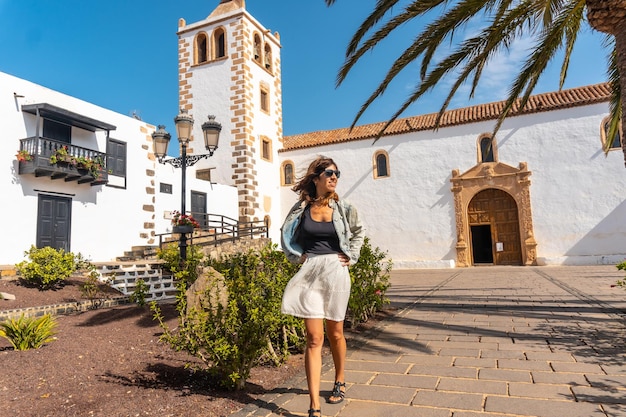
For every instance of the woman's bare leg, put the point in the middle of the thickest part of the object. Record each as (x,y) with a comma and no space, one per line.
(313,358)
(334,331)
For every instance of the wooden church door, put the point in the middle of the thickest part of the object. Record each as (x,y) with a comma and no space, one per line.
(494,212)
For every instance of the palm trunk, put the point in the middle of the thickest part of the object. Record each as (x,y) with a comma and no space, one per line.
(609,16)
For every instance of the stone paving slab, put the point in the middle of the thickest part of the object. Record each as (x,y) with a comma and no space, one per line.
(488,342)
(366,408)
(542,408)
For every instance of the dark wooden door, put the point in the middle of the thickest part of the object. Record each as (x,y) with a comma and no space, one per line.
(482,246)
(498,210)
(53,222)
(198,208)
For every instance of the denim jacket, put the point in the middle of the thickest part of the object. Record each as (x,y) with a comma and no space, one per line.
(345,219)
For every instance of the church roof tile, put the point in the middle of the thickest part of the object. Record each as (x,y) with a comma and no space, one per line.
(574,97)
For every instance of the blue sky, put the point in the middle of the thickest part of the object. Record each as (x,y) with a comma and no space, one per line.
(122,55)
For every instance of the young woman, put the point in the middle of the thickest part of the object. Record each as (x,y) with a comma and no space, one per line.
(324,234)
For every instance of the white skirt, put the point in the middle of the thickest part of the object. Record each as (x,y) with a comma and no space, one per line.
(319,290)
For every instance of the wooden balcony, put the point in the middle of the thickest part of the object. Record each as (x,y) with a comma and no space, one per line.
(66,168)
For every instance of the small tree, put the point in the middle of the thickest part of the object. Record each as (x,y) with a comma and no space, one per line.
(140,293)
(91,288)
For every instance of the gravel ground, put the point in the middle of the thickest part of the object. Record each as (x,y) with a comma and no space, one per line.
(109,362)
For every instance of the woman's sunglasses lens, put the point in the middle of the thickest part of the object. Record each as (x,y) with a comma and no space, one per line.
(329,173)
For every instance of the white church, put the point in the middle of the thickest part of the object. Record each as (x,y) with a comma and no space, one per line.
(541,192)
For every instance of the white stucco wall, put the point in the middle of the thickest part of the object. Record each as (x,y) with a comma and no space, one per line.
(221,199)
(105,220)
(577,194)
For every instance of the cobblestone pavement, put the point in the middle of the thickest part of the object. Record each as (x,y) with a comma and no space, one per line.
(484,341)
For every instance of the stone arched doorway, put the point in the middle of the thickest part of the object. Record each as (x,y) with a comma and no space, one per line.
(494,229)
(509,188)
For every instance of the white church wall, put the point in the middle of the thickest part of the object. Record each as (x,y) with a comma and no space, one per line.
(577,192)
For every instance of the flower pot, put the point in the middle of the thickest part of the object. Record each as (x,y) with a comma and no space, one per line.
(182,229)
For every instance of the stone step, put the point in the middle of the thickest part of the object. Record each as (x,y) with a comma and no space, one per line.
(7,271)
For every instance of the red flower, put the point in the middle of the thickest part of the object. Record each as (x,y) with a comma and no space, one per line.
(184,220)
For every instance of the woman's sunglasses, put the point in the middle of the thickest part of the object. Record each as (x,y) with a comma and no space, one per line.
(329,173)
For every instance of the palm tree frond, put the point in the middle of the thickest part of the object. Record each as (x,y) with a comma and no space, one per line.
(381,9)
(550,41)
(615,103)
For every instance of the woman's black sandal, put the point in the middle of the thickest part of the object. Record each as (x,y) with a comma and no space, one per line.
(337,393)
(315,413)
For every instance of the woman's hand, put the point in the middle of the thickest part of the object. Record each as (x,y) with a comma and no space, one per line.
(344,259)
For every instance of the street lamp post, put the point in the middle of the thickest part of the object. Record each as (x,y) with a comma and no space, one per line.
(160,138)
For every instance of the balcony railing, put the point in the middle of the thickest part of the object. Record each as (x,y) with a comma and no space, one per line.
(69,168)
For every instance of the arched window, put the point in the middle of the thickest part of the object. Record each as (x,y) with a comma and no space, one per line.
(201,48)
(381,164)
(267,58)
(257,48)
(286,174)
(616,143)
(486,149)
(219,43)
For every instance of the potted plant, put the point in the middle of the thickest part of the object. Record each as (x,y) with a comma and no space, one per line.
(60,155)
(183,223)
(23,156)
(88,165)
(97,164)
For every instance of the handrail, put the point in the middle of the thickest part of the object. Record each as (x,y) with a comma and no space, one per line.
(216,229)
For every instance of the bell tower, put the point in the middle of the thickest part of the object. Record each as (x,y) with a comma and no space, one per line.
(229,67)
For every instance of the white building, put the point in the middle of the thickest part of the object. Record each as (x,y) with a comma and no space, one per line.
(545,194)
(55,204)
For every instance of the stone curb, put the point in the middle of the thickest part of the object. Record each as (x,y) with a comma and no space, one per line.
(65,308)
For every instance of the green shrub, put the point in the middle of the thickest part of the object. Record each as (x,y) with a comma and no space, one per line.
(239,324)
(232,334)
(48,267)
(370,281)
(171,255)
(29,332)
(621,267)
(140,292)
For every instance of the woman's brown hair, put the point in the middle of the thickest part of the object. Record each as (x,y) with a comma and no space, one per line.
(305,187)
